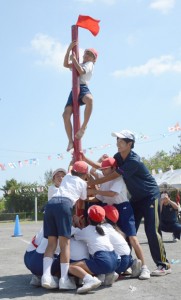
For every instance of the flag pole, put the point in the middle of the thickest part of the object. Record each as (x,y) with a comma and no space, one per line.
(79,208)
(75,94)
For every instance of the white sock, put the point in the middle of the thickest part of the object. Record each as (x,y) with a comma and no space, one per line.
(144,267)
(47,264)
(87,277)
(64,267)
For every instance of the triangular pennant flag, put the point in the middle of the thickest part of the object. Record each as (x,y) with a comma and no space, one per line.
(88,23)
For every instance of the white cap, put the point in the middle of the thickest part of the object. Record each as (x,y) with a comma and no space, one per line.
(124,134)
(59,170)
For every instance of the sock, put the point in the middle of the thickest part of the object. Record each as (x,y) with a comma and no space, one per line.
(47,264)
(144,267)
(87,277)
(64,267)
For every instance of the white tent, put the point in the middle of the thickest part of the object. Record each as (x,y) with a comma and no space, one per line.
(170,179)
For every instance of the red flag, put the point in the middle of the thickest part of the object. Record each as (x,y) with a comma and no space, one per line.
(88,23)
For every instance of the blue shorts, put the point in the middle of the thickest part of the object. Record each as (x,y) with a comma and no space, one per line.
(34,262)
(126,221)
(124,263)
(84,90)
(102,262)
(58,217)
(27,258)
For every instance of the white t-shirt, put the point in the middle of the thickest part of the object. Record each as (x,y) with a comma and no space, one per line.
(36,241)
(88,67)
(120,245)
(116,185)
(78,250)
(41,244)
(73,187)
(53,191)
(95,241)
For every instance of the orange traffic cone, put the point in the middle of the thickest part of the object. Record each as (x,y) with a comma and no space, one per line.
(17,229)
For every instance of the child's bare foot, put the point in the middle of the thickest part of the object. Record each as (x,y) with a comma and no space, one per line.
(80,133)
(70,146)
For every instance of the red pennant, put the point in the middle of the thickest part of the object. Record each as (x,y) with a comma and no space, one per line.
(88,23)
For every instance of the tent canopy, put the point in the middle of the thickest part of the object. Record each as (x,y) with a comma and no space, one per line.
(170,179)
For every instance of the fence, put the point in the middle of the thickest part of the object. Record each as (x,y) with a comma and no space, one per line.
(28,216)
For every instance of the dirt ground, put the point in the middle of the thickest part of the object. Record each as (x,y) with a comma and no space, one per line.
(15,277)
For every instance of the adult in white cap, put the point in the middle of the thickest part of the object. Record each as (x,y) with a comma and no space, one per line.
(144,193)
(85,71)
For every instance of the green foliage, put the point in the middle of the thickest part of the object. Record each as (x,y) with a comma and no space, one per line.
(161,160)
(20,197)
(48,177)
(2,204)
(177,149)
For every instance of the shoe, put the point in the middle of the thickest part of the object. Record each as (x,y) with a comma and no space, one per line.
(35,280)
(136,268)
(80,133)
(70,146)
(127,272)
(175,240)
(101,277)
(161,271)
(110,278)
(93,283)
(68,284)
(145,273)
(49,282)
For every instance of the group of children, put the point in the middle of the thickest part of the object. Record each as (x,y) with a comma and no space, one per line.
(63,255)
(70,254)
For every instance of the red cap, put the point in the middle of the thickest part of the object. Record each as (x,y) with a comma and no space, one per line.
(80,167)
(96,213)
(93,51)
(107,163)
(111,213)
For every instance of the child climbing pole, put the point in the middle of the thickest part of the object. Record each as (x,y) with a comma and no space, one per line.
(80,94)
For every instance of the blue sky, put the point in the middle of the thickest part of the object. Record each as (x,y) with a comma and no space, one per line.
(136,82)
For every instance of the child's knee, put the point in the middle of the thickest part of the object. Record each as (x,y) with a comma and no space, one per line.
(66,114)
(88,100)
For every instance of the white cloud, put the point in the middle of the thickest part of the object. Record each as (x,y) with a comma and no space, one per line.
(51,52)
(154,66)
(164,6)
(177,99)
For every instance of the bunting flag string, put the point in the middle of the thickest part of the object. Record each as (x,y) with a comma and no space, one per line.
(174,128)
(25,190)
(140,138)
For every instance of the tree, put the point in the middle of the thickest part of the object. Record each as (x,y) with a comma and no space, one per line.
(2,204)
(20,197)
(48,177)
(161,160)
(177,149)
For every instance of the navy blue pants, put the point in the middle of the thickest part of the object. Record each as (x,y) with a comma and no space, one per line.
(175,228)
(149,209)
